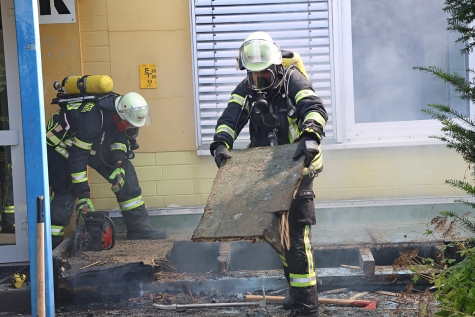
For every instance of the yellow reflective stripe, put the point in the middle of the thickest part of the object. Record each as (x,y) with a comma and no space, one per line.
(228,130)
(317,161)
(308,249)
(237,99)
(62,151)
(82,144)
(73,105)
(69,142)
(93,152)
(284,261)
(118,146)
(53,138)
(312,132)
(131,203)
(315,116)
(316,164)
(303,280)
(293,130)
(79,177)
(51,123)
(304,93)
(57,231)
(9,209)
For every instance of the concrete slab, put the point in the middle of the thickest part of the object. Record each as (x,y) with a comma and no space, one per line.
(247,193)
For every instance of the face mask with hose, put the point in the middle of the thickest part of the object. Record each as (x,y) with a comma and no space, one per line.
(262,59)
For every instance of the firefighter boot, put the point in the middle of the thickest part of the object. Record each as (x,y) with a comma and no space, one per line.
(287,302)
(147,233)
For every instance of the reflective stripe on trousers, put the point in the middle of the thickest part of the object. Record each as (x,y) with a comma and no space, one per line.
(57,231)
(131,203)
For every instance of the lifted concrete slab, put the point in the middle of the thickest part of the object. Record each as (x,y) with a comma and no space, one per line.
(247,193)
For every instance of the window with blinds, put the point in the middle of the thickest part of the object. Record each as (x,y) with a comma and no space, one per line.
(218,30)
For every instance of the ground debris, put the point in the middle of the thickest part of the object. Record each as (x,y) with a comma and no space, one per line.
(416,303)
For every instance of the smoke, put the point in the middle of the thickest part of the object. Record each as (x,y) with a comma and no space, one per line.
(389,38)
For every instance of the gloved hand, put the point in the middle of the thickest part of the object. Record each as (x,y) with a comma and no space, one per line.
(119,176)
(308,146)
(84,206)
(221,154)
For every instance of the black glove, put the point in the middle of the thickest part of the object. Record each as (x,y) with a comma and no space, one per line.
(84,206)
(221,154)
(118,175)
(308,146)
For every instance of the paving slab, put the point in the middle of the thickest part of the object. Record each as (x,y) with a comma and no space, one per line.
(248,193)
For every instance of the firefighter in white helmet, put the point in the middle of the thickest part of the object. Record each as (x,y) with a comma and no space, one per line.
(101,134)
(281,107)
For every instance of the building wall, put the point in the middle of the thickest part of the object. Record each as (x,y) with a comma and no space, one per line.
(119,35)
(60,57)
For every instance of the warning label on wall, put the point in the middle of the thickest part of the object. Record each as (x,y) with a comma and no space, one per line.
(148,76)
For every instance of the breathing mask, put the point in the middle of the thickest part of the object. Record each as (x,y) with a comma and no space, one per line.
(128,129)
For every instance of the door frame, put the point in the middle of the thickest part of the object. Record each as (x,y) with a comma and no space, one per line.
(17,252)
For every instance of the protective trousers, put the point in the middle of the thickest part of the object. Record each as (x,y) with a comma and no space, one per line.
(129,197)
(63,198)
(299,266)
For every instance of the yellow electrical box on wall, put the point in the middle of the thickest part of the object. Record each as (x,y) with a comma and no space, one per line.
(148,76)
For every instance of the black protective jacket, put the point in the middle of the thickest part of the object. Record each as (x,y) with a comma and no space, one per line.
(94,133)
(310,117)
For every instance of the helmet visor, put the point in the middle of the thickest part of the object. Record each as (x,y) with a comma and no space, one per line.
(137,117)
(257,55)
(261,80)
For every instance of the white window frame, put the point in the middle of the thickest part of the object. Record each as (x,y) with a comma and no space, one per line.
(350,134)
(346,132)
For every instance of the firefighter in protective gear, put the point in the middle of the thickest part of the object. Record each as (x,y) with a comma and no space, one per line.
(280,104)
(98,134)
(6,188)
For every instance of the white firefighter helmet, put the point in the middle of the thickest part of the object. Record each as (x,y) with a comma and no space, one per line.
(259,52)
(260,56)
(133,108)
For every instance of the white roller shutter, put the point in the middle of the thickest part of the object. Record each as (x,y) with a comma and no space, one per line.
(218,30)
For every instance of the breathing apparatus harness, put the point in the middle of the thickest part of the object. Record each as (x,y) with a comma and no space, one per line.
(63,98)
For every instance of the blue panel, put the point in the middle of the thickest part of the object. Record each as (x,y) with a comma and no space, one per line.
(33,119)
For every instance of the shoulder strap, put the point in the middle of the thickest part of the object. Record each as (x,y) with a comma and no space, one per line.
(63,99)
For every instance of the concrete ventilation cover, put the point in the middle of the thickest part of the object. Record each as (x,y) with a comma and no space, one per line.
(247,192)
